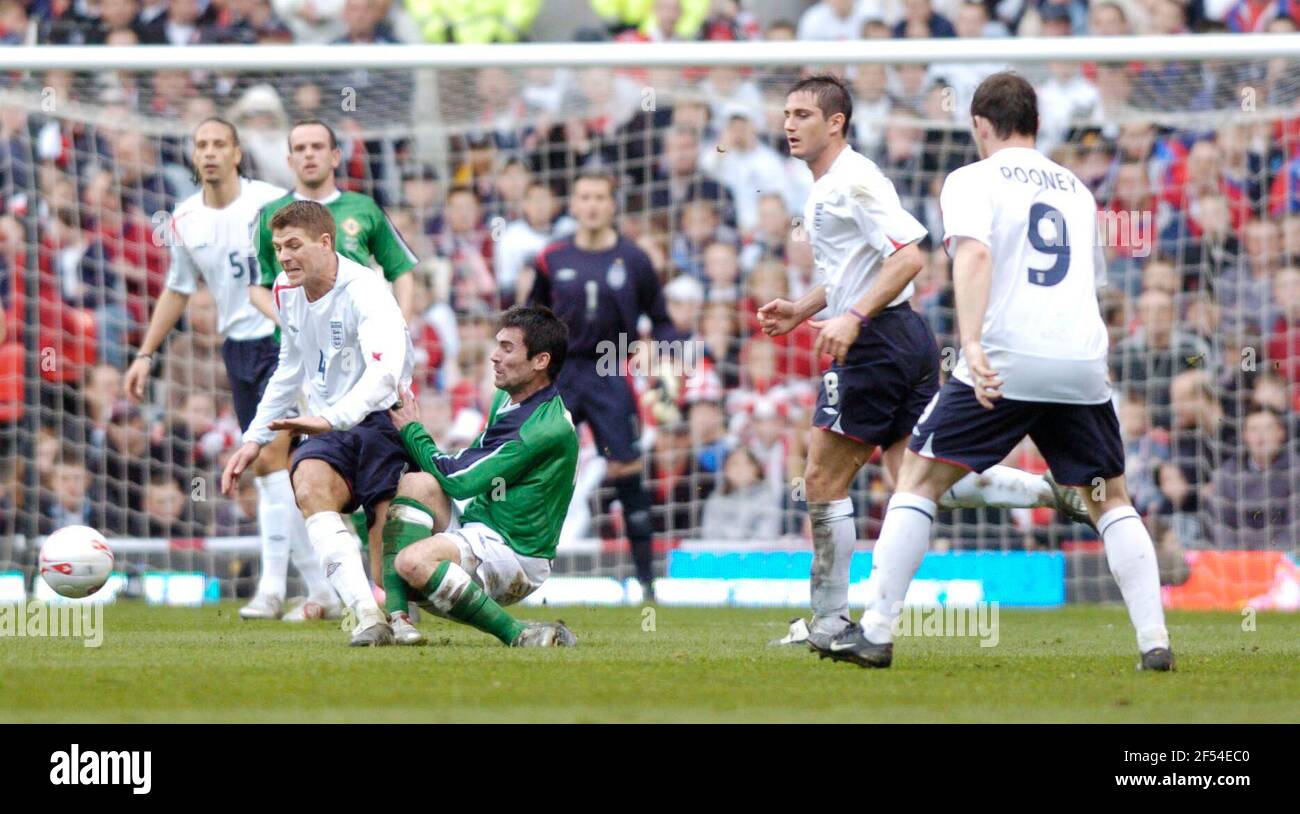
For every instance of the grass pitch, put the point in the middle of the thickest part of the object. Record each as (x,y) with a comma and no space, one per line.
(638,664)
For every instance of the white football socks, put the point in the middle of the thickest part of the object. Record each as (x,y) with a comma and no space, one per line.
(904,539)
(834,537)
(340,555)
(276,490)
(275,515)
(998,487)
(1132,559)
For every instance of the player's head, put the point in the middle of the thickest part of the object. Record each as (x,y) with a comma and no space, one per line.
(1005,108)
(531,345)
(216,153)
(314,153)
(591,200)
(817,115)
(302,234)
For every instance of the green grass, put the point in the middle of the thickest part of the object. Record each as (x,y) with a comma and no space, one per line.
(1075,664)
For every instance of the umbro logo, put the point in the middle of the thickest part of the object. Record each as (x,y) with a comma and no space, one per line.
(330,569)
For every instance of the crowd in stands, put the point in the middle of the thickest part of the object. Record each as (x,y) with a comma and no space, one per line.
(1202,218)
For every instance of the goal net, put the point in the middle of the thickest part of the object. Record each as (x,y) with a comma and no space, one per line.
(1195,164)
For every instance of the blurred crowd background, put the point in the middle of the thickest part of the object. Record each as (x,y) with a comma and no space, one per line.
(1195,165)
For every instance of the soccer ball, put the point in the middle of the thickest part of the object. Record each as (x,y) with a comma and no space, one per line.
(76,561)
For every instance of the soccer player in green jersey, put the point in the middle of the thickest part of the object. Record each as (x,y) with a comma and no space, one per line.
(364,232)
(519,474)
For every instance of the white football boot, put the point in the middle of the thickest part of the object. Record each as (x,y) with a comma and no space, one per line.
(263,606)
(405,633)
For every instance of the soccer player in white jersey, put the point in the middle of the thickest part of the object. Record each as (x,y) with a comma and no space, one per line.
(211,237)
(343,336)
(1026,263)
(886,364)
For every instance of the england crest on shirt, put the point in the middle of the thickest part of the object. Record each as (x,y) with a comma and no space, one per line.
(336,333)
(617,274)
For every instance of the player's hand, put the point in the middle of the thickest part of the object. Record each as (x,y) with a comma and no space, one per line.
(406,410)
(243,457)
(306,425)
(137,376)
(836,336)
(988,384)
(778,317)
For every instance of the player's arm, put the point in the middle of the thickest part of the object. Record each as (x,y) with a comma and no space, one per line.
(278,400)
(396,259)
(382,336)
(182,276)
(972,276)
(967,215)
(281,395)
(267,268)
(474,471)
(780,317)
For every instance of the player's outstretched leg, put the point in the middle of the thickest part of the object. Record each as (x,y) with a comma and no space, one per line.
(1132,559)
(1004,487)
(322,493)
(904,539)
(433,564)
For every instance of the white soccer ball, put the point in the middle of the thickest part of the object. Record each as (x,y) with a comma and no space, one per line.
(76,561)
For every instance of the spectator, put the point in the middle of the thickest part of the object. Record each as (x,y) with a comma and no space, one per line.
(167,511)
(920,20)
(264,134)
(363,23)
(721,272)
(709,441)
(1247,290)
(745,165)
(1254,494)
(1145,449)
(741,507)
(1199,442)
(69,503)
(697,228)
(1107,19)
(1284,338)
(679,179)
(467,243)
(831,20)
(194,360)
(1155,353)
(316,21)
(88,281)
(768,238)
(872,107)
(684,297)
(521,240)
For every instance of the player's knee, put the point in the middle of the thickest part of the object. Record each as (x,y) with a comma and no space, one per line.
(313,488)
(822,483)
(416,562)
(420,486)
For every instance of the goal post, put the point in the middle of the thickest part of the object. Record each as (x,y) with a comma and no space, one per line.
(1190,144)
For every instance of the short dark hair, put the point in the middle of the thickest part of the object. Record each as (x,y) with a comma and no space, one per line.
(234,133)
(597,174)
(1009,103)
(309,215)
(831,95)
(334,141)
(543,332)
(464,189)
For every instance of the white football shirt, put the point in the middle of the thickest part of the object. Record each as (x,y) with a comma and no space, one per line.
(855,221)
(1043,331)
(349,350)
(217,244)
